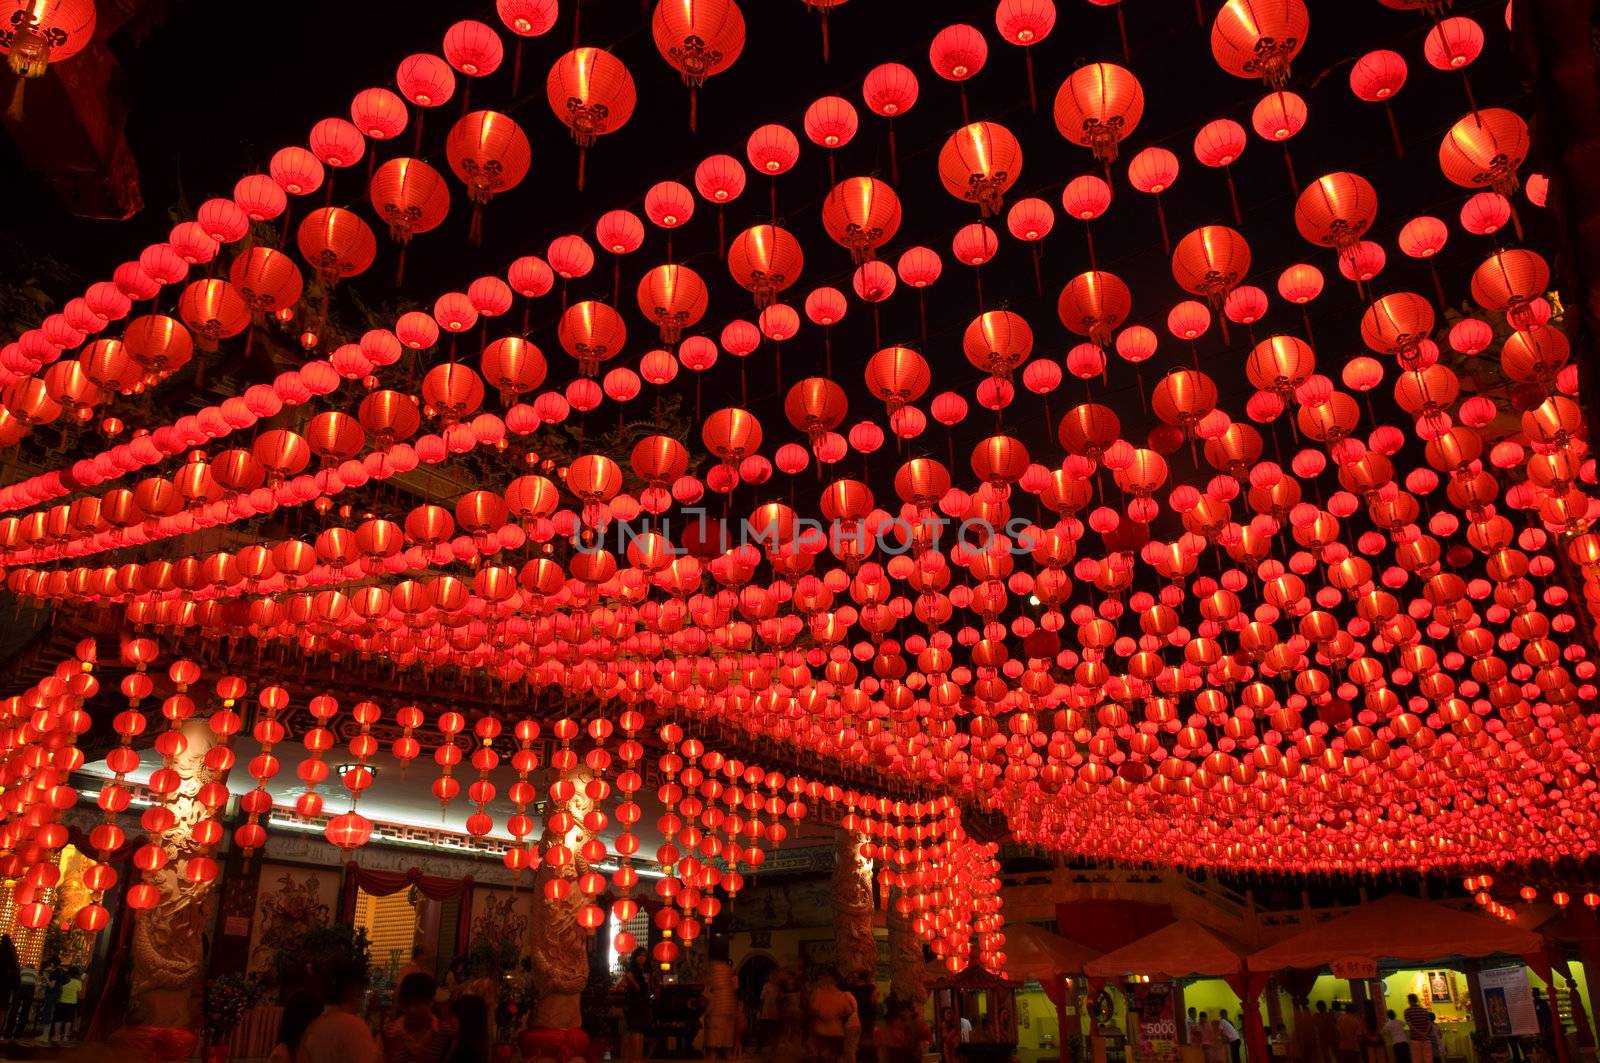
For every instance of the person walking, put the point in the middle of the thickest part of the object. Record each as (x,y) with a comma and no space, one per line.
(1347,1035)
(1418,1020)
(66,1014)
(637,1010)
(1210,1039)
(1230,1035)
(832,1011)
(299,1011)
(340,1034)
(768,1018)
(1398,1036)
(415,1035)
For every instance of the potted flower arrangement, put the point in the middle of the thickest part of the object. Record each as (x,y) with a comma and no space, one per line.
(227,997)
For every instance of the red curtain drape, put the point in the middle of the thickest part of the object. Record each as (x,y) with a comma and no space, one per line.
(1249,987)
(383,883)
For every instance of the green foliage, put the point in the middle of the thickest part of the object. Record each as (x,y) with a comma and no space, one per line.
(319,953)
(227,997)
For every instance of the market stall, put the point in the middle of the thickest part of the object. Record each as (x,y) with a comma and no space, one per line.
(1421,941)
(1181,950)
(1034,954)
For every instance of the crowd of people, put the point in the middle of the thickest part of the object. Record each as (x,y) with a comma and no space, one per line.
(39,1003)
(421,1026)
(795,1014)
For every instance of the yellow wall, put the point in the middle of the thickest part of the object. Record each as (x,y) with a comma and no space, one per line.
(1036,1023)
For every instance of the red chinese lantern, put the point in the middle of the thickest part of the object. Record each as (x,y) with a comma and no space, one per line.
(214,310)
(297,171)
(489,153)
(1453,43)
(764,260)
(591,333)
(958,52)
(1258,38)
(473,48)
(1211,261)
(1378,75)
(528,18)
(426,80)
(668,204)
(1026,23)
(410,196)
(514,366)
(1094,304)
(997,342)
(897,375)
(772,149)
(979,162)
(830,122)
(593,93)
(36,33)
(379,113)
(1278,116)
(889,90)
(570,257)
(861,214)
(1097,106)
(619,232)
(974,244)
(1335,210)
(337,243)
(698,38)
(674,297)
(1485,149)
(267,279)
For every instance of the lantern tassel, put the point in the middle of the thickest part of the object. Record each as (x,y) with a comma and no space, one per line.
(894,157)
(582,153)
(922,314)
(694,109)
(1038,281)
(826,49)
(516,69)
(1394,132)
(1122,30)
(1438,286)
(1089,235)
(1161,215)
(1516,224)
(616,279)
(722,234)
(965,119)
(1288,164)
(475,230)
(400,267)
(1033,93)
(1233,195)
(14,112)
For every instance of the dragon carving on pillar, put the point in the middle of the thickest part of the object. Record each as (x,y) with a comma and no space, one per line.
(559,946)
(855,949)
(168,942)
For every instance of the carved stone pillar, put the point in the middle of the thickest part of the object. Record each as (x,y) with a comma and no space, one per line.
(559,946)
(855,950)
(168,946)
(907,972)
